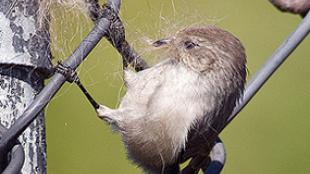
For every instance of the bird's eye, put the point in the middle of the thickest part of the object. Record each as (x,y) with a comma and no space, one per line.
(189,44)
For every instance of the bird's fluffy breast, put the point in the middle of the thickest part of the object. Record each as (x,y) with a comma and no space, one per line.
(162,105)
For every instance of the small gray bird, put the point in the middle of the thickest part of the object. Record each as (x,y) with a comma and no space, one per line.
(170,109)
(293,6)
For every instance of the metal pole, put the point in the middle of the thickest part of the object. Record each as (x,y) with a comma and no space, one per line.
(55,83)
(275,61)
(24,55)
(260,78)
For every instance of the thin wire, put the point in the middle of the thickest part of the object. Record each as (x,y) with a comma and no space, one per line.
(47,93)
(7,141)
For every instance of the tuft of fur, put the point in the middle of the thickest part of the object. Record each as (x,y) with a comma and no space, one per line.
(46,5)
(174,105)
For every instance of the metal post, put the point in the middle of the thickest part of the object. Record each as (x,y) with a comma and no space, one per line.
(24,55)
(31,112)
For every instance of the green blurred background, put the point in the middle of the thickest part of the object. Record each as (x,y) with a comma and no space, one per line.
(269,136)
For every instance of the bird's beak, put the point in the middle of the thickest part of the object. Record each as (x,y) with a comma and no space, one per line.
(161,42)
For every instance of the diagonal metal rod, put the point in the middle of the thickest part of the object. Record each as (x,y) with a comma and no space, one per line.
(260,78)
(17,157)
(97,33)
(17,160)
(56,81)
(274,62)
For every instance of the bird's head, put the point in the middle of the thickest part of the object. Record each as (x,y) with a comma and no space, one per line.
(203,48)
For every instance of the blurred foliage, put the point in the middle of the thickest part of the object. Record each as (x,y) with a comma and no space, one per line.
(269,136)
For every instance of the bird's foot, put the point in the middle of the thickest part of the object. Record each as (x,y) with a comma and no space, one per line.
(67,72)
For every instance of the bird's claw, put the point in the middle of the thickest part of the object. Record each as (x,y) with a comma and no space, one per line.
(67,72)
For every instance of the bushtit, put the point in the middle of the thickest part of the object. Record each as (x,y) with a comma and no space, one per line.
(170,109)
(294,6)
